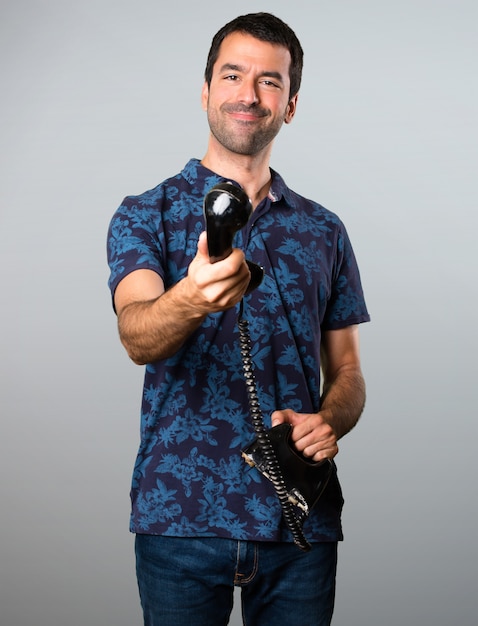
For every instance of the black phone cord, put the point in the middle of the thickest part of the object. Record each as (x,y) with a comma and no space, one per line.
(293,521)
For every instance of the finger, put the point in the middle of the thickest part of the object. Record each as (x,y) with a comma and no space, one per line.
(317,453)
(306,424)
(313,439)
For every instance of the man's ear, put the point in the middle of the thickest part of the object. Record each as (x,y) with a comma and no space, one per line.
(291,109)
(204,95)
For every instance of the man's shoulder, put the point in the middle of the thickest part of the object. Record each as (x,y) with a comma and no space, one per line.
(156,194)
(194,180)
(300,202)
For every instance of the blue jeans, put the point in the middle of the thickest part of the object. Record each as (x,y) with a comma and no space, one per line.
(190,581)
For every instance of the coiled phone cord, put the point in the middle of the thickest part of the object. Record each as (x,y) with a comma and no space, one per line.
(293,521)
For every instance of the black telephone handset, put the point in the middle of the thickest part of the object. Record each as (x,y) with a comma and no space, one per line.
(298,482)
(227,209)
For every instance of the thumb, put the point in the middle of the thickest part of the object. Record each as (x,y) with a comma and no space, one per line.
(202,245)
(278,417)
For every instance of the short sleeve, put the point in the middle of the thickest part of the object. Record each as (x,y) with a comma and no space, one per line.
(134,240)
(346,305)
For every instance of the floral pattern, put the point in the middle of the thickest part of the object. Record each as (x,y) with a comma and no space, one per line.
(189,478)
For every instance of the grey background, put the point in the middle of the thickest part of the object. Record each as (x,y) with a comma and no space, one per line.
(101,99)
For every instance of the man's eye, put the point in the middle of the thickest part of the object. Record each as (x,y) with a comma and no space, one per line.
(231,77)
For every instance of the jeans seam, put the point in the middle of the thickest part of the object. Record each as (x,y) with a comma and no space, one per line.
(239,579)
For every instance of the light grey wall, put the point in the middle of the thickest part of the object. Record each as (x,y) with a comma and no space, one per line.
(100,99)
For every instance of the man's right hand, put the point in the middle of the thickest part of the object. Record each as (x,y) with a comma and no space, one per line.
(217,286)
(154,323)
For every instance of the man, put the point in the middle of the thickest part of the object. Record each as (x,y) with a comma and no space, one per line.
(204,520)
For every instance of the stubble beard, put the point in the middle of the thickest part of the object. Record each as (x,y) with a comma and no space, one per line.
(245,138)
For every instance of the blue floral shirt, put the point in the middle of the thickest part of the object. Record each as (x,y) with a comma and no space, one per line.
(189,478)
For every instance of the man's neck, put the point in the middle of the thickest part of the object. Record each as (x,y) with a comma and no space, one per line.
(251,172)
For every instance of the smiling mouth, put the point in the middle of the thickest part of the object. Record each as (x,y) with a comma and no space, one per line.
(245,119)
(243,113)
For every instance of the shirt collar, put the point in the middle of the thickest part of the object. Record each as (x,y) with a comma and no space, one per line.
(279,190)
(196,174)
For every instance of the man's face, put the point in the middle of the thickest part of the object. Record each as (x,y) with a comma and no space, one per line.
(248,98)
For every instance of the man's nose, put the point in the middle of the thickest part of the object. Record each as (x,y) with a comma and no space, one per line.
(248,93)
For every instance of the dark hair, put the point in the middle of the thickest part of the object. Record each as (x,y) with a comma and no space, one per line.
(265,27)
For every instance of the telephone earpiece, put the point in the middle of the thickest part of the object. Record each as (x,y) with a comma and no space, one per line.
(227,209)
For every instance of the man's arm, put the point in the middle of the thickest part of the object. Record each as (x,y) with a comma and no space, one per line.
(343,399)
(153,323)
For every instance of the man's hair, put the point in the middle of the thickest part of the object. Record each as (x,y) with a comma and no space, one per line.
(265,27)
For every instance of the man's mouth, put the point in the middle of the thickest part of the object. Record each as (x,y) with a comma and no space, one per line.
(245,113)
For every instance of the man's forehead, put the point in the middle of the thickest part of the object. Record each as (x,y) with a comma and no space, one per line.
(246,45)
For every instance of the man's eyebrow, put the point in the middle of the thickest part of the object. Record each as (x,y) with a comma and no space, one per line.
(233,67)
